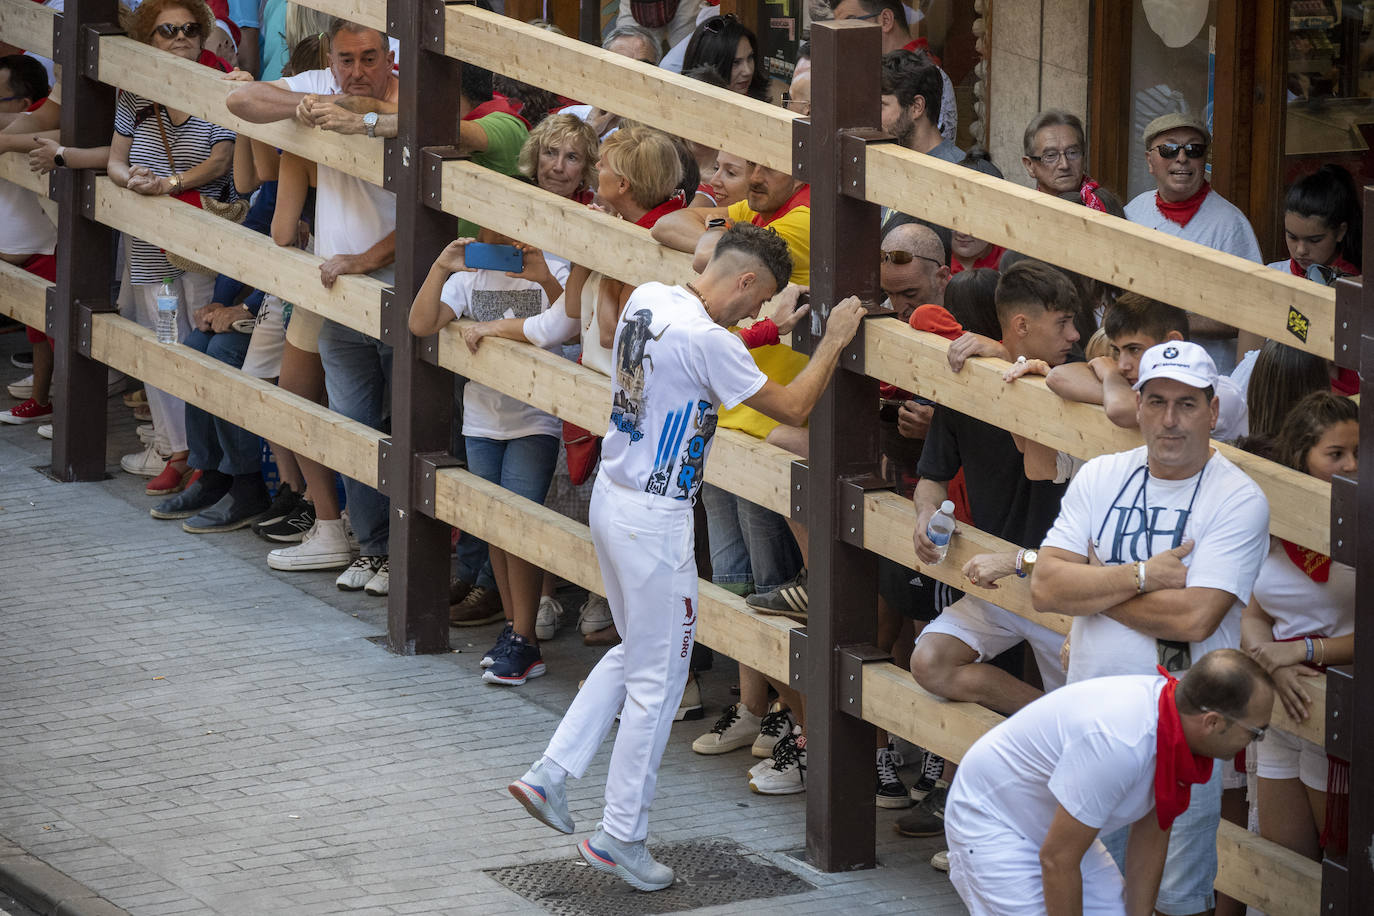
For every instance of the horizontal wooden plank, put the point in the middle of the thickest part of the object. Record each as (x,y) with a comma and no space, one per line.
(23,296)
(27,25)
(601,242)
(200,91)
(688,108)
(1300,505)
(365,12)
(250,256)
(564,547)
(259,406)
(1116,251)
(14,168)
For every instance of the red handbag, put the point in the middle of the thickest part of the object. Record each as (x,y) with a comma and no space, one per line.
(584,449)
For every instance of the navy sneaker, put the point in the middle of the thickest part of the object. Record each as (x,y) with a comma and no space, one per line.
(499,649)
(518,663)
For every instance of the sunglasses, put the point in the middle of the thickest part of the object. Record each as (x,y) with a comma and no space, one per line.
(717,24)
(1170,150)
(906,257)
(1257,732)
(169,31)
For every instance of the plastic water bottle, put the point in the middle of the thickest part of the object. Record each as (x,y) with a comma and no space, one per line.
(167,303)
(941,527)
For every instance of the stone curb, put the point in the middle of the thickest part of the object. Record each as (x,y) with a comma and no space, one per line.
(46,890)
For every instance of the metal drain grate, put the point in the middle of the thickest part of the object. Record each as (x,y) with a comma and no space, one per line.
(709,872)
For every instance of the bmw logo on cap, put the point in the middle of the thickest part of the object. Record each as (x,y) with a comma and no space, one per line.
(1170,352)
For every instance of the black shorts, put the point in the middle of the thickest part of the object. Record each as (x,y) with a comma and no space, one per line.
(914,596)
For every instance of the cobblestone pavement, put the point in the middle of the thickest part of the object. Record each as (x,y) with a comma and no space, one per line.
(185,731)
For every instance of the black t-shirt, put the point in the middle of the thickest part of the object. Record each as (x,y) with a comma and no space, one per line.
(1001,500)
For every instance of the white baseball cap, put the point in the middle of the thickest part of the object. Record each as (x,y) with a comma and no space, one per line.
(1179,360)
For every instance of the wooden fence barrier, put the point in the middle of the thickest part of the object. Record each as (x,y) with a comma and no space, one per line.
(1252,869)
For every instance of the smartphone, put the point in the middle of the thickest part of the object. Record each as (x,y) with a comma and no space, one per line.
(482,256)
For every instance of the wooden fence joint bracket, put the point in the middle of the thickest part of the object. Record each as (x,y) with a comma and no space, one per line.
(849,498)
(1349,311)
(850,661)
(854,158)
(1344,532)
(426,477)
(1340,711)
(384,449)
(85,319)
(86,192)
(90,65)
(852,357)
(387,300)
(801,152)
(432,159)
(799,493)
(1335,886)
(796,656)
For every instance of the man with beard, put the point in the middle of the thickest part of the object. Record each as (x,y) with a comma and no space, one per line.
(911,105)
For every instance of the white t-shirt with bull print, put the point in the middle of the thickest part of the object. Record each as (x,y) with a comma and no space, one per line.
(489,295)
(1124,514)
(673,370)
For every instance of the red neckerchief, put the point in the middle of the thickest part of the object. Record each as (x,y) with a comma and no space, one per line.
(1177,768)
(1346,382)
(657,213)
(990,259)
(498,104)
(584,196)
(1184,210)
(38,104)
(802,198)
(920,44)
(1316,566)
(707,191)
(1339,263)
(1087,193)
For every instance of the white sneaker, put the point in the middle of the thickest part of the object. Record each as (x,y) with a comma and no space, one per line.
(45,431)
(380,583)
(145,433)
(322,547)
(548,617)
(786,772)
(595,615)
(774,724)
(147,463)
(735,729)
(359,573)
(23,389)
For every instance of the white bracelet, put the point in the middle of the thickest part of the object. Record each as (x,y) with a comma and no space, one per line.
(1140,577)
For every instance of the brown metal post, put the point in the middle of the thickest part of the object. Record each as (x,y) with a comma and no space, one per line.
(85,249)
(840,817)
(421,393)
(1350,878)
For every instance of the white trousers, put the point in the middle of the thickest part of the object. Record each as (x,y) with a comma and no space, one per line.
(645,548)
(195,289)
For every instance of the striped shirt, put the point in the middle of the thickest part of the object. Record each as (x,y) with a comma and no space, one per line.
(191,143)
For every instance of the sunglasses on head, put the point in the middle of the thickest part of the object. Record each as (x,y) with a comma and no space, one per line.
(718,23)
(1170,150)
(906,257)
(169,31)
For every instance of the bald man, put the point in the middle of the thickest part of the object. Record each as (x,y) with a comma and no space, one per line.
(913,271)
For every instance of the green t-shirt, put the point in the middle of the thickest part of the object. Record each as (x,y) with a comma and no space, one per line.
(505,136)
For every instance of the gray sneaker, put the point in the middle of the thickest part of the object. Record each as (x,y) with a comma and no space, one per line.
(543,798)
(628,861)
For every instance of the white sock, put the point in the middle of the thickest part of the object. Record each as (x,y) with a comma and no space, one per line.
(555,772)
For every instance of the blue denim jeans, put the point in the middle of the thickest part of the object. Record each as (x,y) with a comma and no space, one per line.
(525,467)
(748,542)
(216,444)
(357,375)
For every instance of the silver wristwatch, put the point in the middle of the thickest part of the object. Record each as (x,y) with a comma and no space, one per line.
(370,122)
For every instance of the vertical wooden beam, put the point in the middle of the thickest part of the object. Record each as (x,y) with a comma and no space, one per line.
(840,816)
(79,382)
(1111,141)
(1349,878)
(421,392)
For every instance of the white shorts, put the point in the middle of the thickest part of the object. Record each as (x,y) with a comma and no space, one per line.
(990,630)
(1285,756)
(263,359)
(998,874)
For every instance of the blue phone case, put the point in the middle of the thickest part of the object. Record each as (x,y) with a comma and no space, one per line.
(483,256)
